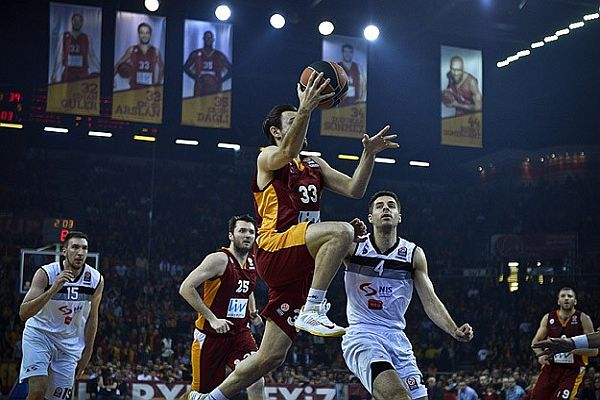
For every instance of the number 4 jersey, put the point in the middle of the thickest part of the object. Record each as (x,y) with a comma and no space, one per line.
(228,295)
(63,318)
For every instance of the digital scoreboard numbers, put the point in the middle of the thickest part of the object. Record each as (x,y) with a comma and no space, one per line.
(11,108)
(55,230)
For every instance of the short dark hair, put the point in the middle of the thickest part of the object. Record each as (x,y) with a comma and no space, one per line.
(347,46)
(274,119)
(567,288)
(382,193)
(233,221)
(146,25)
(74,235)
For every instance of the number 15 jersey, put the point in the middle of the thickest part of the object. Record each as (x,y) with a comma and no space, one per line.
(63,318)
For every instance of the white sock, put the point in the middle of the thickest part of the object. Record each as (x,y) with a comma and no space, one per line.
(216,394)
(314,299)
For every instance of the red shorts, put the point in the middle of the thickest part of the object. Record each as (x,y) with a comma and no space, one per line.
(558,382)
(211,353)
(74,74)
(285,264)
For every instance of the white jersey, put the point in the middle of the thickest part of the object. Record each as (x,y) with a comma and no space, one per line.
(63,318)
(379,285)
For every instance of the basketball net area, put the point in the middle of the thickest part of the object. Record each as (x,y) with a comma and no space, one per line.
(32,259)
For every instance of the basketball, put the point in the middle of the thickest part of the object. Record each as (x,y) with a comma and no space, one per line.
(338,83)
(447,97)
(125,70)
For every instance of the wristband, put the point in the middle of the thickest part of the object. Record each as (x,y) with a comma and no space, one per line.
(581,342)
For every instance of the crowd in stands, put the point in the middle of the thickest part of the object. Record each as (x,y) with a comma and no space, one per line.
(154,224)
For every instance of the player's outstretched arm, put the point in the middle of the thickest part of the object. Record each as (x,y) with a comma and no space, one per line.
(37,296)
(91,327)
(588,327)
(275,157)
(356,186)
(211,267)
(564,345)
(434,308)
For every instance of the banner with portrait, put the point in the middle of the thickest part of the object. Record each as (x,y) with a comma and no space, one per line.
(207,58)
(74,59)
(139,67)
(349,118)
(461,80)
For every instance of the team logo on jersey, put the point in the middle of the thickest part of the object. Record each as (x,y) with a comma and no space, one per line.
(310,162)
(574,320)
(87,277)
(551,321)
(413,382)
(250,263)
(368,289)
(402,251)
(285,307)
(57,392)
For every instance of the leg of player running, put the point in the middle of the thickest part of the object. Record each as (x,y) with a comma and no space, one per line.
(270,355)
(256,391)
(328,243)
(38,385)
(388,386)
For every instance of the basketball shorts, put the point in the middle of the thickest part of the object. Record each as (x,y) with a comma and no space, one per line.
(361,349)
(212,353)
(285,264)
(41,357)
(558,382)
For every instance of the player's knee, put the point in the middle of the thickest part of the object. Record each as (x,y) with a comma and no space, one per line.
(344,233)
(273,360)
(36,393)
(390,392)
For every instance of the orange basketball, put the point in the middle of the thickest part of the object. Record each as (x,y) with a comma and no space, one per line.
(125,70)
(337,84)
(448,97)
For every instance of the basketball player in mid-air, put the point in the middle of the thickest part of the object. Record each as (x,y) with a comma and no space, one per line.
(144,61)
(380,274)
(208,67)
(563,373)
(75,54)
(61,314)
(293,245)
(222,337)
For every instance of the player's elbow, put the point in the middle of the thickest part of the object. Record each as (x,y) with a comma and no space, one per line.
(23,314)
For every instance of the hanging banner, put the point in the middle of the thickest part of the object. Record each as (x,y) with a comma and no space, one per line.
(139,67)
(462,97)
(74,59)
(206,92)
(349,119)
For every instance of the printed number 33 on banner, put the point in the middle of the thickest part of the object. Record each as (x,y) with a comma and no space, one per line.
(309,194)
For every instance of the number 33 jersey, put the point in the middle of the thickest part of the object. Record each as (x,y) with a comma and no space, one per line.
(293,196)
(228,295)
(63,318)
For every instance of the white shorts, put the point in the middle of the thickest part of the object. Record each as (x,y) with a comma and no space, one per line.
(361,349)
(41,357)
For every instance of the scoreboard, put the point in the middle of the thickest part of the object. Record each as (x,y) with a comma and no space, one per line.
(55,230)
(11,108)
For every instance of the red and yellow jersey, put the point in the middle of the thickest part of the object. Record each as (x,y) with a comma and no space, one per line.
(354,83)
(462,92)
(228,295)
(143,66)
(292,196)
(75,51)
(569,328)
(208,68)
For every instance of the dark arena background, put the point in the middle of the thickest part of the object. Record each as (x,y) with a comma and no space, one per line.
(506,218)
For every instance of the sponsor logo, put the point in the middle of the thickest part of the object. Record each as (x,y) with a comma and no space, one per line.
(31,368)
(368,289)
(551,321)
(250,263)
(285,307)
(279,312)
(402,251)
(87,277)
(385,291)
(413,382)
(57,392)
(375,304)
(574,320)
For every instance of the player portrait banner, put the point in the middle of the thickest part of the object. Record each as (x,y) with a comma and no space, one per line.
(461,78)
(349,118)
(139,67)
(207,58)
(74,59)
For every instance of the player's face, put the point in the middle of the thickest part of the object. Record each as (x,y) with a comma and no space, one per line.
(209,39)
(243,236)
(144,35)
(385,212)
(566,300)
(456,70)
(287,118)
(347,54)
(75,252)
(77,23)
